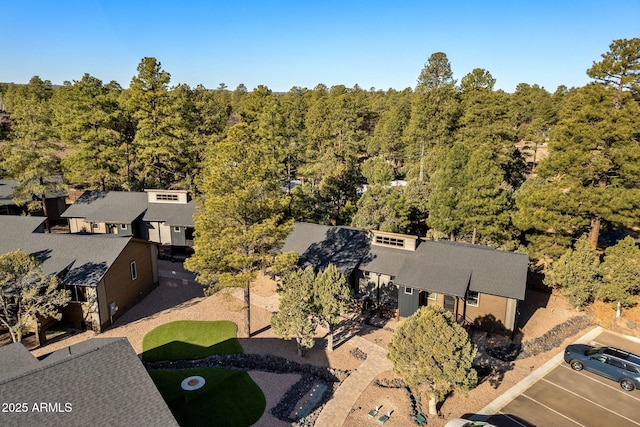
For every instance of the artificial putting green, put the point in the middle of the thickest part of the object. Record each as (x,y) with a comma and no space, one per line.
(190,340)
(228,397)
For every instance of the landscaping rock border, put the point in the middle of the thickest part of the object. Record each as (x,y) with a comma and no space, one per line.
(311,375)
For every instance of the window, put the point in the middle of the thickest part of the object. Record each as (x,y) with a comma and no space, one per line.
(473,298)
(94,225)
(390,241)
(408,291)
(432,296)
(123,226)
(176,229)
(134,271)
(170,197)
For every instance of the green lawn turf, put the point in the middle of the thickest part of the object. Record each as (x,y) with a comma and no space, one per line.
(190,340)
(228,397)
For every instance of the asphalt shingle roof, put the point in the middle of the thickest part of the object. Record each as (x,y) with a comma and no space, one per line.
(102,379)
(87,257)
(120,207)
(320,245)
(173,214)
(437,266)
(6,190)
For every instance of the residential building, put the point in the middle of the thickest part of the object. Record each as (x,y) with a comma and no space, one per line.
(100,381)
(160,216)
(107,212)
(105,274)
(477,284)
(169,218)
(55,203)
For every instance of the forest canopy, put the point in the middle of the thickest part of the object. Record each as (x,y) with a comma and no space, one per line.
(532,169)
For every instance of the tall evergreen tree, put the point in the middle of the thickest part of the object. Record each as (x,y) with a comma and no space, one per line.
(31,155)
(239,216)
(620,68)
(88,119)
(593,169)
(153,147)
(434,114)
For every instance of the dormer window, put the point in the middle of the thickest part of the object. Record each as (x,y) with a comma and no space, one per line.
(390,241)
(166,197)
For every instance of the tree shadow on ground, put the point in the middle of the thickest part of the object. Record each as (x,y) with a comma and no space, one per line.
(180,350)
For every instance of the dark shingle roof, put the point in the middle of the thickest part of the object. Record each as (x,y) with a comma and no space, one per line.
(14,360)
(437,266)
(173,214)
(121,207)
(321,245)
(6,191)
(102,379)
(86,257)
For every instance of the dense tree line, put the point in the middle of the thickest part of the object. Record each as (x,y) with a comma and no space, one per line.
(470,154)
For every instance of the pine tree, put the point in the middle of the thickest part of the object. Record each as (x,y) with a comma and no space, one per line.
(433,355)
(239,216)
(576,273)
(295,317)
(89,121)
(31,155)
(332,296)
(620,271)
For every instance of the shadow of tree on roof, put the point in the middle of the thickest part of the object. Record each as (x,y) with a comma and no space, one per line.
(343,247)
(89,197)
(42,255)
(87,274)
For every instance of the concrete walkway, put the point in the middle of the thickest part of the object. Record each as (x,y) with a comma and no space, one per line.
(337,409)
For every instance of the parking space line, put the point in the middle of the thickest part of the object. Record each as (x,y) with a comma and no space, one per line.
(553,410)
(606,383)
(590,401)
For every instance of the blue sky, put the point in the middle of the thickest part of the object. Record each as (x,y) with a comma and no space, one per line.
(281,44)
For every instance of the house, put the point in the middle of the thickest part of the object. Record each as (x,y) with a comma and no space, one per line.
(107,212)
(100,381)
(478,284)
(169,218)
(160,216)
(105,274)
(55,203)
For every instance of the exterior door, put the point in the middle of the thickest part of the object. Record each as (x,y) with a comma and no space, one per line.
(449,303)
(423,299)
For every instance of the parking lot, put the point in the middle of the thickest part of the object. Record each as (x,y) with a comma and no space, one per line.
(564,397)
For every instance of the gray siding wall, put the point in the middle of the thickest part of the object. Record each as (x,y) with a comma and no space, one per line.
(178,237)
(128,231)
(407,304)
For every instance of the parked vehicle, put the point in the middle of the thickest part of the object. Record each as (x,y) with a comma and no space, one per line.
(461,422)
(610,362)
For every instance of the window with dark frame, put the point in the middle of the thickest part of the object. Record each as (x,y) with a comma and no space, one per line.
(390,241)
(408,291)
(171,197)
(134,271)
(473,298)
